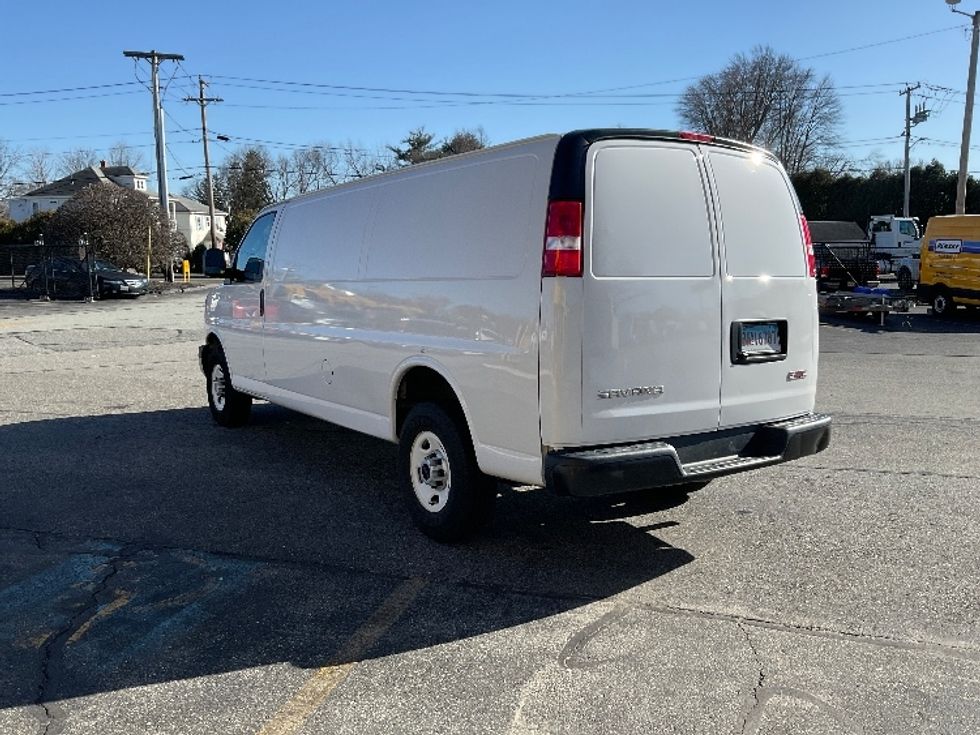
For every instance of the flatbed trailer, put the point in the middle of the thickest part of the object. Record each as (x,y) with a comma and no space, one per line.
(865,301)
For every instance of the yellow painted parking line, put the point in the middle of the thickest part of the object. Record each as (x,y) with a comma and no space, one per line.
(294,714)
(122,598)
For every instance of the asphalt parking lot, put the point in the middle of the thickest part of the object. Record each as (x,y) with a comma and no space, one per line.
(159,574)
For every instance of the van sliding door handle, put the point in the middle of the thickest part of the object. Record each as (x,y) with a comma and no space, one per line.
(261,302)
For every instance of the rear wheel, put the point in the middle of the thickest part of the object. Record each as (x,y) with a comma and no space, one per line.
(942,304)
(905,279)
(448,497)
(228,407)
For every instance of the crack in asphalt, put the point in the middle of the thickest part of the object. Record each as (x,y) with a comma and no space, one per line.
(756,702)
(878,471)
(75,369)
(953,650)
(879,419)
(903,354)
(52,652)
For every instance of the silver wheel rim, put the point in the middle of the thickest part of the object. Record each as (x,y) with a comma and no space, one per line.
(430,473)
(940,305)
(218,387)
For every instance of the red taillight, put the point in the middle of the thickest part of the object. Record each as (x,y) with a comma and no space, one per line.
(811,261)
(563,240)
(695,137)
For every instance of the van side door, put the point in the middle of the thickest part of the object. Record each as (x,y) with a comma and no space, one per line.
(243,314)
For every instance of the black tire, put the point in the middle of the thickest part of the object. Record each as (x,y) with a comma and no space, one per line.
(905,279)
(229,408)
(447,495)
(942,303)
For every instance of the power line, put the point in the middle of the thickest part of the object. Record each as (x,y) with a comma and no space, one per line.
(880,43)
(327,90)
(66,89)
(281,144)
(66,99)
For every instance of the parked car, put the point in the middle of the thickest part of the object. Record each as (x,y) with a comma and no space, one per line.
(565,311)
(71,277)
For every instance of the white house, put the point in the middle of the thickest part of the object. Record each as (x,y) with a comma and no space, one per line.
(188,216)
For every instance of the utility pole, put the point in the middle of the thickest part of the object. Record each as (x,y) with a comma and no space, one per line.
(921,115)
(203,102)
(155,58)
(971,85)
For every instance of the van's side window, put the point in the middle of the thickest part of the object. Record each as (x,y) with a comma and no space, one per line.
(250,257)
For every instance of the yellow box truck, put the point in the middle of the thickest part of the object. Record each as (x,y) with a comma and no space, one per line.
(950,263)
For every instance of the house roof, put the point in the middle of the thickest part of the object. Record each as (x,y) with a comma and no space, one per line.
(75,182)
(71,184)
(113,171)
(186,204)
(836,231)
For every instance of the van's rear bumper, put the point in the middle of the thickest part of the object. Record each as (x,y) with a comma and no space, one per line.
(589,471)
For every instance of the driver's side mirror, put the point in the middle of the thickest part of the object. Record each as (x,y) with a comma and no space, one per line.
(253,270)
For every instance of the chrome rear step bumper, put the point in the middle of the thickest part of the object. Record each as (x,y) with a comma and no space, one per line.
(590,471)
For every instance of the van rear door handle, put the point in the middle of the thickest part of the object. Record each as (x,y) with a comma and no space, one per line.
(261,302)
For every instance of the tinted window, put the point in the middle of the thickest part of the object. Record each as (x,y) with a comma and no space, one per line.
(907,228)
(760,222)
(250,257)
(649,214)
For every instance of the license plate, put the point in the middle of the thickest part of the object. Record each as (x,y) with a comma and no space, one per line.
(760,339)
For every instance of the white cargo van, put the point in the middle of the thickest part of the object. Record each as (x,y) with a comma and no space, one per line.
(596,312)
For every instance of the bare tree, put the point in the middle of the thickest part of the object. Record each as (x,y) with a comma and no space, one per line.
(122,154)
(77,159)
(768,99)
(38,166)
(358,163)
(10,158)
(304,170)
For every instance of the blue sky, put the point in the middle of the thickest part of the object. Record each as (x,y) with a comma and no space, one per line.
(518,48)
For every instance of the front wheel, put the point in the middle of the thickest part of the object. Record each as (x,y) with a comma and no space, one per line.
(229,408)
(447,495)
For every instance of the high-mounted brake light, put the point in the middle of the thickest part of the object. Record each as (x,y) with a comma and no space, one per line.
(811,260)
(696,137)
(563,240)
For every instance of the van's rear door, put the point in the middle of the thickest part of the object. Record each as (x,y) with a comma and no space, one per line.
(652,330)
(769,316)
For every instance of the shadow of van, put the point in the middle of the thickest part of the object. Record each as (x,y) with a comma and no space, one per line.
(149,547)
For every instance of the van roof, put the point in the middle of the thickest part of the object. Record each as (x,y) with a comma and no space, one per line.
(569,167)
(568,174)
